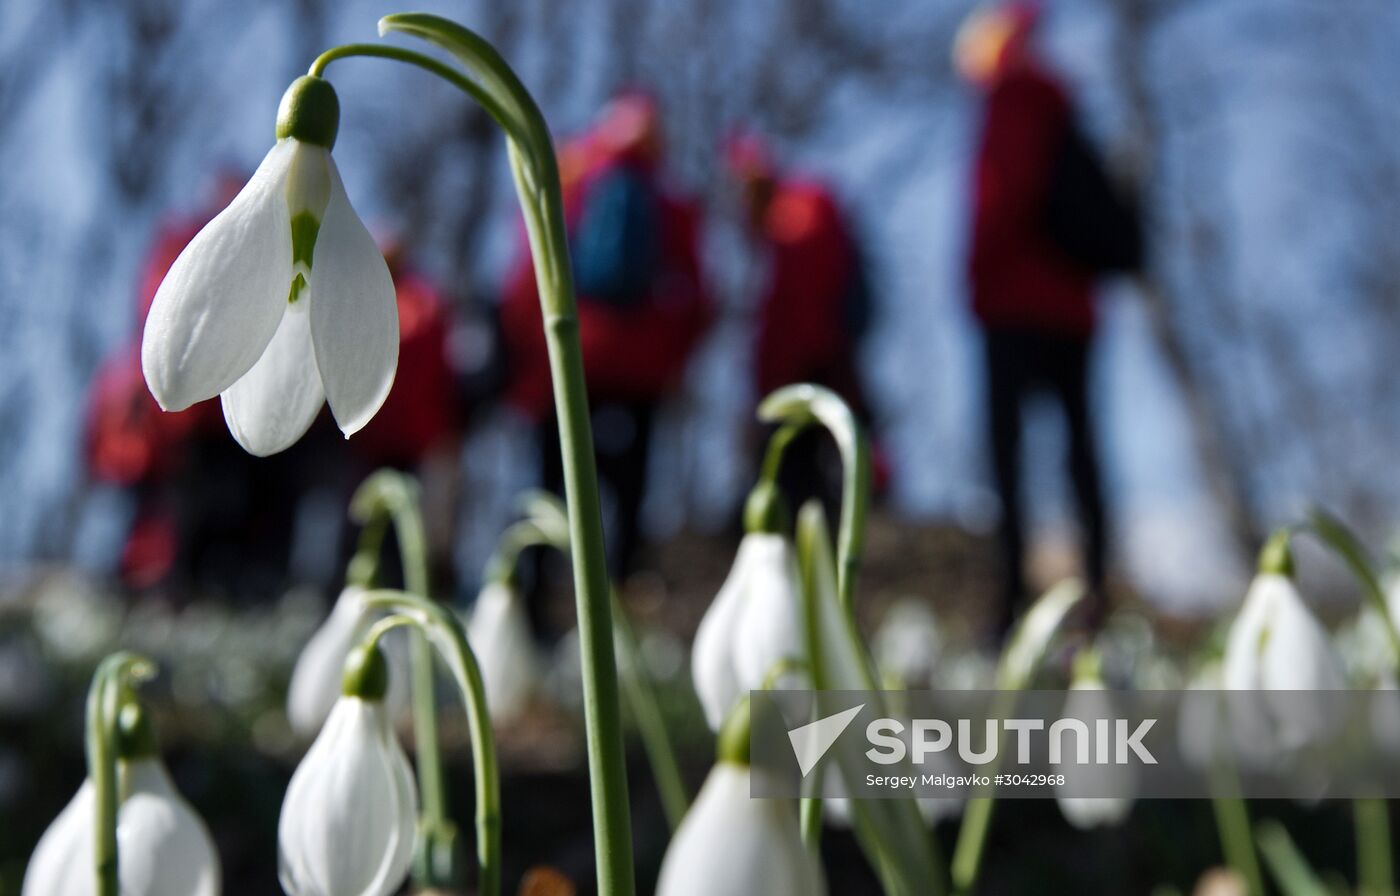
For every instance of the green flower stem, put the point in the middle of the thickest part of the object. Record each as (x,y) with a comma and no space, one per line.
(111,686)
(640,691)
(438,626)
(1020,658)
(363,568)
(1375,874)
(1237,848)
(547,525)
(798,406)
(1290,870)
(490,81)
(536,173)
(391,495)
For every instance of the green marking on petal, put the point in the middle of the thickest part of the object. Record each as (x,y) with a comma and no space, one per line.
(298,287)
(305,226)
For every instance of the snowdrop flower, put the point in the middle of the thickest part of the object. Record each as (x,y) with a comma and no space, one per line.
(907,642)
(163,847)
(1276,645)
(500,635)
(348,821)
(282,302)
(755,620)
(1088,700)
(732,845)
(316,677)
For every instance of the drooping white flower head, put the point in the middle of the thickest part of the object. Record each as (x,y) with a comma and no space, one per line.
(1276,645)
(348,820)
(754,622)
(163,847)
(1088,700)
(730,844)
(316,677)
(283,302)
(499,634)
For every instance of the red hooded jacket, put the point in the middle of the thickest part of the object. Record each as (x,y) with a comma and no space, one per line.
(801,330)
(1019,278)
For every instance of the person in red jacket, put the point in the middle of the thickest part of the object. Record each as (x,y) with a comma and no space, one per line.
(1035,304)
(813,309)
(642,306)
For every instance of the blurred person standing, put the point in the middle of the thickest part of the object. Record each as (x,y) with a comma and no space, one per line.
(642,307)
(813,310)
(1046,224)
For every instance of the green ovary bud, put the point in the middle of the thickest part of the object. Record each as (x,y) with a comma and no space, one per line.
(309,112)
(136,739)
(766,510)
(366,673)
(1276,558)
(733,743)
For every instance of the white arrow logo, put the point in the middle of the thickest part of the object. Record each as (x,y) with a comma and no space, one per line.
(811,741)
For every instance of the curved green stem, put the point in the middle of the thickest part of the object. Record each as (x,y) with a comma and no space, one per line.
(437,625)
(798,406)
(391,495)
(777,447)
(111,684)
(536,174)
(427,63)
(490,81)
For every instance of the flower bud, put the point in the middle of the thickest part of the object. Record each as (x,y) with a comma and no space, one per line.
(732,845)
(316,679)
(348,821)
(754,622)
(163,847)
(309,112)
(1088,699)
(500,636)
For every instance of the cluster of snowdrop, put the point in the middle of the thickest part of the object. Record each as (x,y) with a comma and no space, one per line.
(283,304)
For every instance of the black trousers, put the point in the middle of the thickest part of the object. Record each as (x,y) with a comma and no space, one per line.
(1020,363)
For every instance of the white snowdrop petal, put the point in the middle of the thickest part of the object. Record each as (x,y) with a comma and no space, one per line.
(754,622)
(770,626)
(712,665)
(219,305)
(275,403)
(731,845)
(354,314)
(315,683)
(62,862)
(343,825)
(164,846)
(499,634)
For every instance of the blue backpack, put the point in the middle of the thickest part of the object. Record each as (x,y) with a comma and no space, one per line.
(616,240)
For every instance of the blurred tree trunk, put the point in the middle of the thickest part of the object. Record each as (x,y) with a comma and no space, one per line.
(1224,463)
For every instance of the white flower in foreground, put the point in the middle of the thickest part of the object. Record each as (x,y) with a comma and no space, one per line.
(282,302)
(1276,645)
(1088,700)
(348,821)
(754,622)
(163,847)
(316,677)
(730,844)
(499,634)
